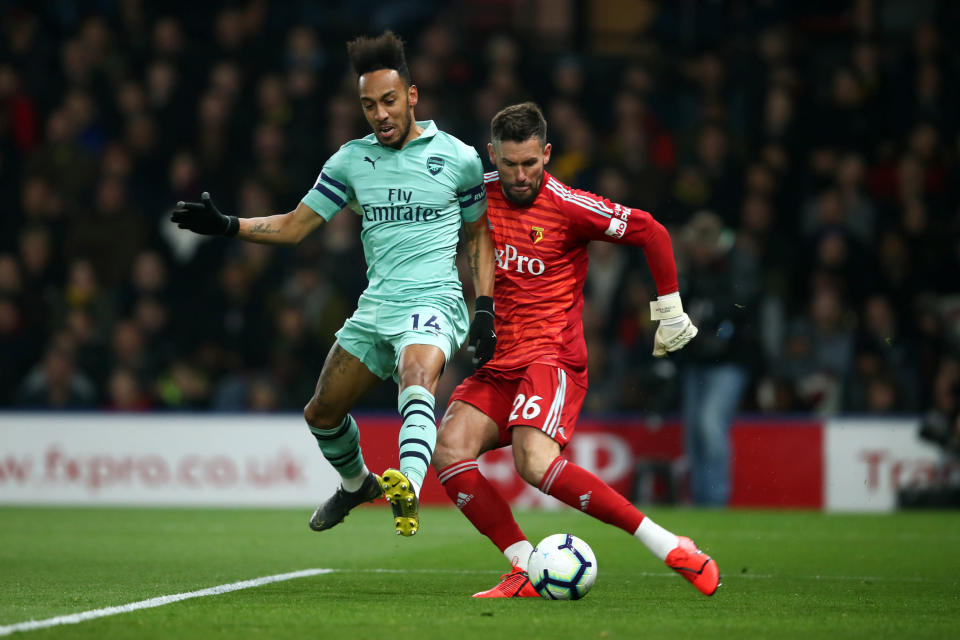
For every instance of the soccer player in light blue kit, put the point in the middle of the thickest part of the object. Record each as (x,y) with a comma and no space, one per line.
(413,187)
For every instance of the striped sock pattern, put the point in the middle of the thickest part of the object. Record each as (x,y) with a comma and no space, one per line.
(553,471)
(341,446)
(586,492)
(455,469)
(483,505)
(418,435)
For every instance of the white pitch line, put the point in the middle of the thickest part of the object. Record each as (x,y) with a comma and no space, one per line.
(74,618)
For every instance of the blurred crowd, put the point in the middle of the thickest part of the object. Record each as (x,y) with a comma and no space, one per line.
(805,159)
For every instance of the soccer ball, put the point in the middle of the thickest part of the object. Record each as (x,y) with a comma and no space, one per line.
(562,567)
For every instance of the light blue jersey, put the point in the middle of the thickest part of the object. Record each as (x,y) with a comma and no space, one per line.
(412,202)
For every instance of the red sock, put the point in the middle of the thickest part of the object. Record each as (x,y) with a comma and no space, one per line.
(479,500)
(582,490)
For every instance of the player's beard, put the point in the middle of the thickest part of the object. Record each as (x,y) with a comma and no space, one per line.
(404,129)
(528,197)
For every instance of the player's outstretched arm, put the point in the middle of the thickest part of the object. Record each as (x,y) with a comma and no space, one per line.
(284,228)
(482,340)
(287,228)
(675,329)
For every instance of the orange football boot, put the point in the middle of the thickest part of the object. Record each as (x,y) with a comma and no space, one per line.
(693,564)
(515,584)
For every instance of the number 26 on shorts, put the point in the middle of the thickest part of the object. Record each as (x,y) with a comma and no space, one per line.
(530,407)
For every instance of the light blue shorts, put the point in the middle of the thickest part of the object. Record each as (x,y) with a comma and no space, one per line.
(378,331)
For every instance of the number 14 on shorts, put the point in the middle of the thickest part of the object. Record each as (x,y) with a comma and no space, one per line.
(429,323)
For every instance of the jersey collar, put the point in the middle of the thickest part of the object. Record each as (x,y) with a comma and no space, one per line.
(429,130)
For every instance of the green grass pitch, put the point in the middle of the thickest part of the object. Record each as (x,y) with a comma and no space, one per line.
(785,574)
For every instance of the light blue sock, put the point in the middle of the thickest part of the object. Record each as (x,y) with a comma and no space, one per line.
(418,435)
(341,446)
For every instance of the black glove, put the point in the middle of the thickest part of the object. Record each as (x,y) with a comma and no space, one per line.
(203,217)
(483,339)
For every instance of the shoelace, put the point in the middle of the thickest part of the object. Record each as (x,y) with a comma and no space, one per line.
(511,581)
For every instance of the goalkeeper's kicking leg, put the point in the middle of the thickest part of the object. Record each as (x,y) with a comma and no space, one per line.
(466,432)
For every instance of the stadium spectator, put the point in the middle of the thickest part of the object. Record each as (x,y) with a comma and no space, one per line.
(720,284)
(295,351)
(125,392)
(183,385)
(56,383)
(111,254)
(16,350)
(941,424)
(90,345)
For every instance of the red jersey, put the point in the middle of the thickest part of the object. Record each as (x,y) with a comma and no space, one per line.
(542,267)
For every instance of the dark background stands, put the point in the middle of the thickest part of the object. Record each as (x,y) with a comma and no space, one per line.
(823,136)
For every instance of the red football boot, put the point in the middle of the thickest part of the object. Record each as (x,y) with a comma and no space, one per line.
(515,584)
(697,567)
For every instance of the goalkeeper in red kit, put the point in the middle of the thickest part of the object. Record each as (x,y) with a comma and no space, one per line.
(530,393)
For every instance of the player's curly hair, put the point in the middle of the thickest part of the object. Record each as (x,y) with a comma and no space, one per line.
(519,123)
(385,51)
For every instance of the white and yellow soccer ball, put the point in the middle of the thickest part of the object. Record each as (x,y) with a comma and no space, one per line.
(562,567)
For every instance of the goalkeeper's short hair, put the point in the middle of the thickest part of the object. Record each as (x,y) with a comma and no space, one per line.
(519,123)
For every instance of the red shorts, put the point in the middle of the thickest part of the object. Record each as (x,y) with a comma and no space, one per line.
(540,396)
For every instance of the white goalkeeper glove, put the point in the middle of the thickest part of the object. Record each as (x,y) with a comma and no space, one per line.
(675,329)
